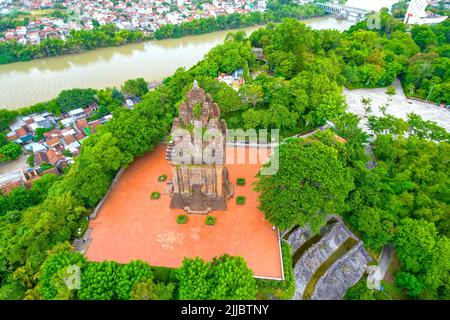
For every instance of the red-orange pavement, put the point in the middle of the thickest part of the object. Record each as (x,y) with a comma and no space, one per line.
(131,226)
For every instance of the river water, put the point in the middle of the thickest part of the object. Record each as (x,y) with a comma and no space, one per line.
(26,83)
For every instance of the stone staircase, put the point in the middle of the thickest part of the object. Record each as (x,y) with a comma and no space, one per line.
(313,258)
(343,273)
(169,150)
(82,244)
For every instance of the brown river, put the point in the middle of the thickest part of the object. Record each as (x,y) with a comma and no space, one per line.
(26,83)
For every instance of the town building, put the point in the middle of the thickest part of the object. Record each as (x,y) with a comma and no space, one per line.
(417,14)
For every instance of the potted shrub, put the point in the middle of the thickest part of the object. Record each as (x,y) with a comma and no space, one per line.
(182,219)
(240,200)
(240,181)
(155,195)
(162,178)
(210,220)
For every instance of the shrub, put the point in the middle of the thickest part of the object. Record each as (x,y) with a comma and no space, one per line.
(210,220)
(182,219)
(155,195)
(390,90)
(240,200)
(161,273)
(162,178)
(240,182)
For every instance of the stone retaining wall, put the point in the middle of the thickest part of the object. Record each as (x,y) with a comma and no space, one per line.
(343,274)
(100,204)
(313,258)
(297,238)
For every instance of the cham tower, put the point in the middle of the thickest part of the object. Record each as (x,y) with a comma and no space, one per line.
(197,156)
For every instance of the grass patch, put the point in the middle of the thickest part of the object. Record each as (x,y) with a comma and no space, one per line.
(210,220)
(155,195)
(182,219)
(240,181)
(343,249)
(162,178)
(240,200)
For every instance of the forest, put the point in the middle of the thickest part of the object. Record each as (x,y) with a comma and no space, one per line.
(403,201)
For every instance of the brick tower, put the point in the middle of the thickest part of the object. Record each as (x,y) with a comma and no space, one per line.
(197,156)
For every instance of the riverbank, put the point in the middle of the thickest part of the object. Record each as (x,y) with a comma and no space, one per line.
(27,83)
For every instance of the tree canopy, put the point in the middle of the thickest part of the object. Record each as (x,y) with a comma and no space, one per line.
(311,182)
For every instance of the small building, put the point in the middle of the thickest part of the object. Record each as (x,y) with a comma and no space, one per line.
(35,147)
(81,125)
(52,134)
(90,109)
(129,103)
(235,80)
(68,131)
(42,122)
(67,122)
(55,144)
(23,135)
(77,113)
(70,142)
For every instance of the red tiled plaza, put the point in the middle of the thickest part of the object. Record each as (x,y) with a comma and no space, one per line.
(130,225)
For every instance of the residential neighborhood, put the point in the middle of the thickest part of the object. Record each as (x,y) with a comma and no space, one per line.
(146,16)
(49,141)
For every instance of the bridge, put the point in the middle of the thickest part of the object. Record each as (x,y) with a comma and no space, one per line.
(350,13)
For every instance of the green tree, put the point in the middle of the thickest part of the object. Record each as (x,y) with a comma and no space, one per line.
(131,274)
(225,278)
(414,243)
(408,283)
(75,98)
(137,87)
(423,36)
(360,291)
(311,182)
(149,290)
(10,151)
(251,93)
(99,281)
(55,272)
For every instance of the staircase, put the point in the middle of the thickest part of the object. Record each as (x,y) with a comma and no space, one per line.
(169,151)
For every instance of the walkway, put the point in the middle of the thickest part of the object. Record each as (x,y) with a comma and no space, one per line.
(377,273)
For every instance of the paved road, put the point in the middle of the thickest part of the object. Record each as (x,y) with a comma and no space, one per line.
(15,165)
